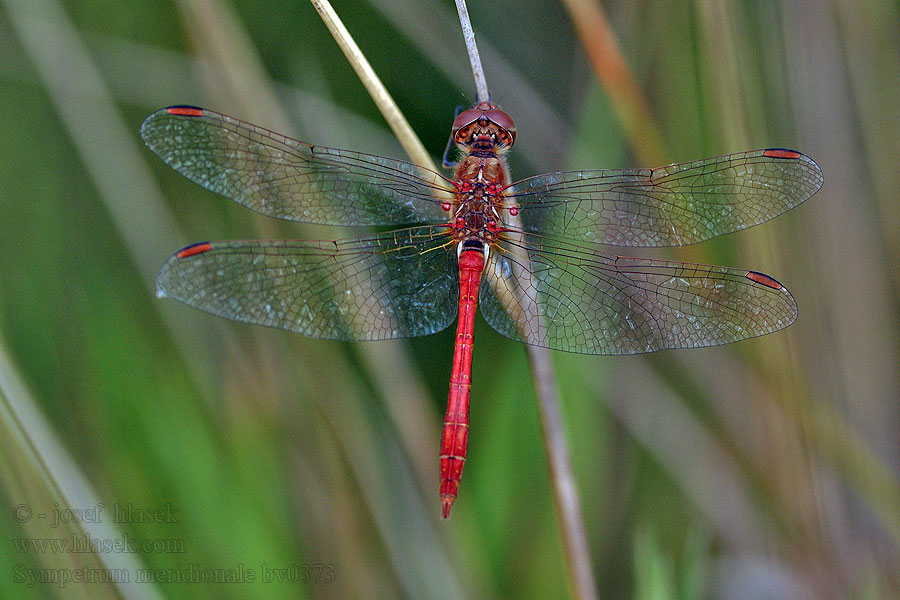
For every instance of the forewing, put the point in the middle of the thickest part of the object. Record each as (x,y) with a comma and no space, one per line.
(668,206)
(288,179)
(590,303)
(391,285)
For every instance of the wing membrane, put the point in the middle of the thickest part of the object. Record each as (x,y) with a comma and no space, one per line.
(669,206)
(591,303)
(397,284)
(288,179)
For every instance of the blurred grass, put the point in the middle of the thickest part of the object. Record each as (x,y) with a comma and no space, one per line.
(763,469)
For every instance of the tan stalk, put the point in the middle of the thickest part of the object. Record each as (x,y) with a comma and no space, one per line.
(395,119)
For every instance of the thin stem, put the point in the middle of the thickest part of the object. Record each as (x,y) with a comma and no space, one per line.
(482,94)
(524,309)
(565,494)
(395,119)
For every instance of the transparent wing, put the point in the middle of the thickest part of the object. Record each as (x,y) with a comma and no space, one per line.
(668,206)
(590,303)
(288,179)
(397,284)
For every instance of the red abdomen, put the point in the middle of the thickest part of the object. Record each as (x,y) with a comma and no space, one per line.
(455,438)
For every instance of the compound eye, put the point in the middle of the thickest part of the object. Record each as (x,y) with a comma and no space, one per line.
(502,119)
(466,117)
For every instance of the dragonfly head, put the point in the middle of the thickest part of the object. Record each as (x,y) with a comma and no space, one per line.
(482,121)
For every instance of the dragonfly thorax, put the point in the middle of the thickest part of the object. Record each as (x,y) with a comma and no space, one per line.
(477,220)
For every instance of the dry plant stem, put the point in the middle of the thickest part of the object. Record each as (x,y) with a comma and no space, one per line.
(559,466)
(565,494)
(395,119)
(481,88)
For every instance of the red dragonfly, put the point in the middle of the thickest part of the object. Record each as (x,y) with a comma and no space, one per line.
(527,252)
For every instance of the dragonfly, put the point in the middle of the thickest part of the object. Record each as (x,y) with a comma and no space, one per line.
(531,253)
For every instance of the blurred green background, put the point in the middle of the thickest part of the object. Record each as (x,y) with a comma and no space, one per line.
(764,469)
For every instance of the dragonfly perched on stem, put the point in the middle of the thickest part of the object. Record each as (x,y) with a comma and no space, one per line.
(528,253)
